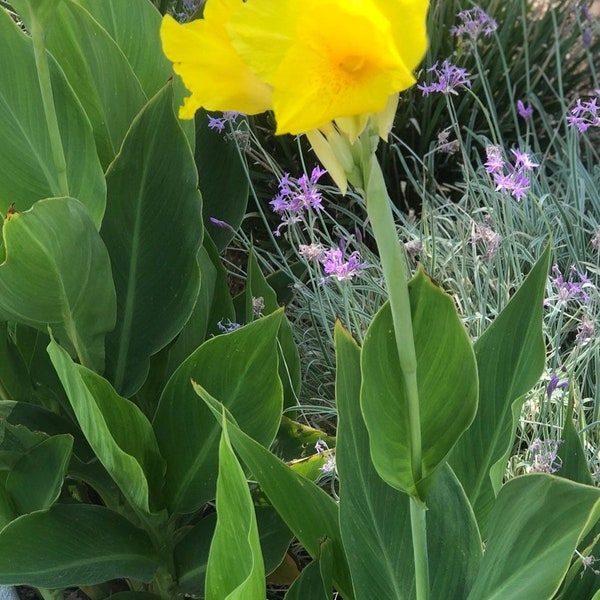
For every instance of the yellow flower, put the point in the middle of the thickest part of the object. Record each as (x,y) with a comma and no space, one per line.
(330,59)
(312,62)
(202,54)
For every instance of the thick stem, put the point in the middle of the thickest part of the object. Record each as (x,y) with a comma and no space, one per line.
(393,263)
(61,188)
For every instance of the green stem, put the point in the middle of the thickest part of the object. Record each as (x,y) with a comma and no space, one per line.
(47,594)
(38,36)
(391,253)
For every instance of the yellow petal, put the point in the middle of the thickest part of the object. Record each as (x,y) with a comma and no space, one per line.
(385,119)
(211,69)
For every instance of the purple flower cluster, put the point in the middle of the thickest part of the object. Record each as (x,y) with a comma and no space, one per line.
(585,114)
(323,449)
(509,177)
(189,7)
(474,22)
(574,288)
(449,78)
(337,268)
(218,123)
(544,456)
(296,197)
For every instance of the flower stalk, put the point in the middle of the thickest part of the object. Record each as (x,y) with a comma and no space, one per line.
(393,263)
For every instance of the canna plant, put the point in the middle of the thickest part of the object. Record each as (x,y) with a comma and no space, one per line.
(124,409)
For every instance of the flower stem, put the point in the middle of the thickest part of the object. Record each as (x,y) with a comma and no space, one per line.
(391,253)
(38,36)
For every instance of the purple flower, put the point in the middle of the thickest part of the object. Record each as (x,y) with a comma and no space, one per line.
(495,160)
(474,22)
(510,178)
(216,123)
(555,383)
(296,197)
(336,268)
(544,456)
(584,115)
(570,290)
(523,160)
(449,79)
(526,112)
(323,449)
(220,224)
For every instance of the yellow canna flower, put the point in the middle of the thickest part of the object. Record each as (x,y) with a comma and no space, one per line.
(330,59)
(202,54)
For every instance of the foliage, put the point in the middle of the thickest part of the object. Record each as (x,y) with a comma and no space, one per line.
(155,429)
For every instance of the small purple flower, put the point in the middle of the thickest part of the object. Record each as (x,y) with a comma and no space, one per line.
(584,115)
(449,79)
(329,465)
(525,111)
(569,290)
(555,383)
(216,123)
(510,178)
(474,22)
(544,456)
(336,268)
(296,197)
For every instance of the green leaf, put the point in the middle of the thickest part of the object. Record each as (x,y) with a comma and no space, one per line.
(222,172)
(534,529)
(134,596)
(42,10)
(510,359)
(27,169)
(118,432)
(134,26)
(72,545)
(240,368)
(374,516)
(99,73)
(574,464)
(36,479)
(314,581)
(307,510)
(153,230)
(446,379)
(57,274)
(296,440)
(15,383)
(235,563)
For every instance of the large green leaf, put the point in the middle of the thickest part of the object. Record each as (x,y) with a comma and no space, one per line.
(118,432)
(510,359)
(153,230)
(315,580)
(99,73)
(57,274)
(446,380)
(73,545)
(375,517)
(36,479)
(239,368)
(223,179)
(235,563)
(27,168)
(134,26)
(15,382)
(42,10)
(307,510)
(534,529)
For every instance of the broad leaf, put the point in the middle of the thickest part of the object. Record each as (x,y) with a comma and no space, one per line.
(57,274)
(134,26)
(375,518)
(235,563)
(99,73)
(27,169)
(118,432)
(153,230)
(510,359)
(72,545)
(36,479)
(446,380)
(239,368)
(315,580)
(529,550)
(15,382)
(307,510)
